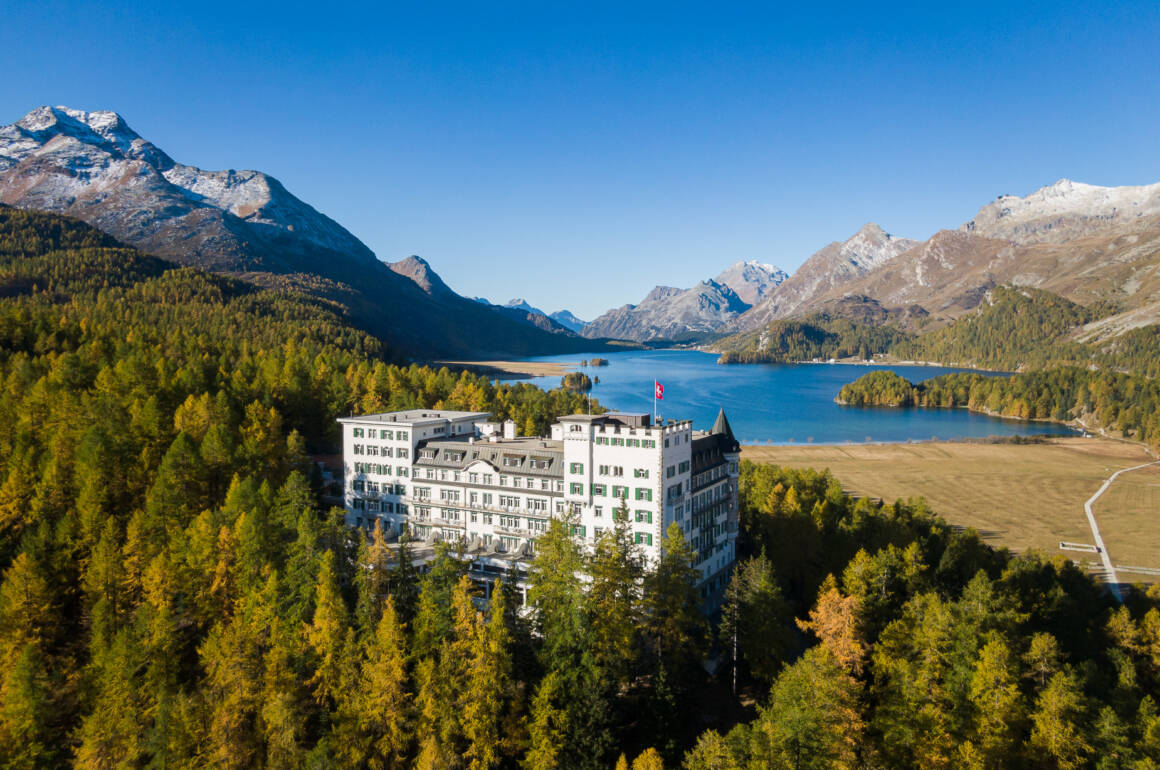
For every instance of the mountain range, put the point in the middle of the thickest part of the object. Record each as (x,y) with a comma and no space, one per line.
(669,313)
(1086,243)
(94,167)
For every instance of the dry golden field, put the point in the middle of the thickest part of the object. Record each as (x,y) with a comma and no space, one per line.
(516,368)
(1016,495)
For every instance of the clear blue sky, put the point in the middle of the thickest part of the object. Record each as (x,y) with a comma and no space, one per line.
(526,150)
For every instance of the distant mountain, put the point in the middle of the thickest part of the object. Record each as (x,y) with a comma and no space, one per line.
(751,280)
(568,320)
(522,304)
(1065,211)
(1089,245)
(669,313)
(831,267)
(420,271)
(92,166)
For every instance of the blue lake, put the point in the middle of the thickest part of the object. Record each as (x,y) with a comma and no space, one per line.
(779,403)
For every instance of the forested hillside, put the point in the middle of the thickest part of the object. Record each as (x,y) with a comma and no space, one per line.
(929,649)
(1012,329)
(154,424)
(1015,329)
(1093,398)
(172,594)
(819,337)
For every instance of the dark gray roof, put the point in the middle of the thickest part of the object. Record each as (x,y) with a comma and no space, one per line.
(721,428)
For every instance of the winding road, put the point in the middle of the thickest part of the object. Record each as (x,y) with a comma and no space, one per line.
(1113,581)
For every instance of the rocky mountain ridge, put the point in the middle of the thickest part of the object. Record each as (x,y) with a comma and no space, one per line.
(94,167)
(1086,243)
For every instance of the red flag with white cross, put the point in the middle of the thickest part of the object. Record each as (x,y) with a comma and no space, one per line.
(660,390)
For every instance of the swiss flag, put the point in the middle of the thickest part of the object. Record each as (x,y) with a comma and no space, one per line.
(660,390)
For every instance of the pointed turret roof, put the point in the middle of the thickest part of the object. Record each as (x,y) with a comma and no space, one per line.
(721,428)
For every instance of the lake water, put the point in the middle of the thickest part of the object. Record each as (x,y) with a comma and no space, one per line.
(779,403)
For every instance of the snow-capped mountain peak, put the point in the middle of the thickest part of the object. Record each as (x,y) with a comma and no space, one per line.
(92,165)
(1064,210)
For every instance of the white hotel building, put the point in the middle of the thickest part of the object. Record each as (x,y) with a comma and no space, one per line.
(455,476)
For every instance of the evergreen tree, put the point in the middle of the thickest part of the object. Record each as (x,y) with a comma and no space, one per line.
(1057,733)
(384,701)
(614,597)
(812,720)
(755,621)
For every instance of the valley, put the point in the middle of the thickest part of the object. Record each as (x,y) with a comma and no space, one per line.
(1017,496)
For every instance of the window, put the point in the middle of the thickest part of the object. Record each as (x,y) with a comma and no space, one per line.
(576,468)
(473,478)
(599,490)
(372,433)
(617,470)
(487,498)
(640,473)
(511,461)
(487,479)
(402,453)
(358,449)
(516,482)
(620,493)
(644,516)
(402,435)
(644,538)
(357,432)
(576,489)
(579,530)
(603,470)
(509,501)
(598,512)
(387,434)
(643,494)
(423,493)
(670,471)
(503,480)
(684,467)
(575,428)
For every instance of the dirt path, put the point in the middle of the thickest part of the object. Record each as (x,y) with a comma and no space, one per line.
(1105,557)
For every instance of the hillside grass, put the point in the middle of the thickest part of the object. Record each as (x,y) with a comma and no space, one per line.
(1016,495)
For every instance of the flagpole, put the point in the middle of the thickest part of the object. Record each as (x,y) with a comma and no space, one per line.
(654,401)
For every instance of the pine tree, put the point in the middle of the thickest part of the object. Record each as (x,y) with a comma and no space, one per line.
(548,725)
(384,702)
(489,691)
(614,596)
(755,621)
(677,630)
(836,621)
(812,720)
(994,694)
(1057,732)
(26,740)
(329,636)
(649,759)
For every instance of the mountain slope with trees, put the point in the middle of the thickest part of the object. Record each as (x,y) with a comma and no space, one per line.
(93,166)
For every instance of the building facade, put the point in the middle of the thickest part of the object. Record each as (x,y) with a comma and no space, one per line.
(458,477)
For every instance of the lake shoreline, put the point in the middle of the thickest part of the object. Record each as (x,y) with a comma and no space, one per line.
(784,404)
